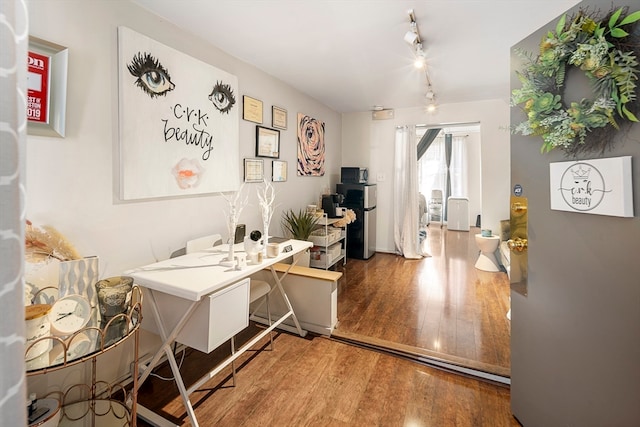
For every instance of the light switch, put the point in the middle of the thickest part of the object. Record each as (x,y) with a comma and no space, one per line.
(381,177)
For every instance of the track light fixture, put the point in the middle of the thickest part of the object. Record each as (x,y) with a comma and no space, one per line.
(412,37)
(420,61)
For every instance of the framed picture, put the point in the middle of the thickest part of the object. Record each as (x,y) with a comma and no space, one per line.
(46,88)
(251,109)
(279,171)
(310,146)
(174,168)
(278,117)
(267,142)
(253,170)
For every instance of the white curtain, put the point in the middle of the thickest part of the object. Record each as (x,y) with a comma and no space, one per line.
(433,171)
(406,211)
(458,167)
(13,111)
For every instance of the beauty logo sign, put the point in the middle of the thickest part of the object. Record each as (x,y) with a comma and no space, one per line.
(597,186)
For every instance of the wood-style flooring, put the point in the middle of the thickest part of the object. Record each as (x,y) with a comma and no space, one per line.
(441,304)
(317,381)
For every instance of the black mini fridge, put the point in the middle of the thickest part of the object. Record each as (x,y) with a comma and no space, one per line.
(361,234)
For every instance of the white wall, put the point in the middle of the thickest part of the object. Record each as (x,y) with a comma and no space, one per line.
(370,143)
(72,181)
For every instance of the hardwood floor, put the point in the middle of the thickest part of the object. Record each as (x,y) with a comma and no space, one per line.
(317,381)
(441,305)
(438,306)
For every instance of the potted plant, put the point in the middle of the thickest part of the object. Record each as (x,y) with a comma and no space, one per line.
(300,225)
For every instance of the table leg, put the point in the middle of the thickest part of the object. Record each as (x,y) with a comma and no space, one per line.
(278,280)
(167,340)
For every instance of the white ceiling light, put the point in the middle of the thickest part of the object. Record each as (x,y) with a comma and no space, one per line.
(413,38)
(412,35)
(430,95)
(420,61)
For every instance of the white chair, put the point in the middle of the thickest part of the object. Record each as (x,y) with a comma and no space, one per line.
(202,243)
(435,207)
(257,288)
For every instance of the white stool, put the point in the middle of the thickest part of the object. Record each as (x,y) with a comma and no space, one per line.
(487,260)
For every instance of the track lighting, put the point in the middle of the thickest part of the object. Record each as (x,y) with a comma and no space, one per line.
(430,95)
(412,37)
(420,61)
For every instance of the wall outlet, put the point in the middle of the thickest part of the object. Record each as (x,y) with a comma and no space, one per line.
(141,367)
(381,177)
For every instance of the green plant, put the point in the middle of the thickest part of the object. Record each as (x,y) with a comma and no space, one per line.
(606,52)
(299,225)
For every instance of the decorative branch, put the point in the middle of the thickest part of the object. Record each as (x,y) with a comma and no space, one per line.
(236,205)
(266,196)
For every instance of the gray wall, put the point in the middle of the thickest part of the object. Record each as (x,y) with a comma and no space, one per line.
(575,356)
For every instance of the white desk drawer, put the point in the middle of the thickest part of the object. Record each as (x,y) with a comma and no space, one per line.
(218,317)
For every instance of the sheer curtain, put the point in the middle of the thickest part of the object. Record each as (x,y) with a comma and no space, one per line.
(405,194)
(432,169)
(433,172)
(458,168)
(13,115)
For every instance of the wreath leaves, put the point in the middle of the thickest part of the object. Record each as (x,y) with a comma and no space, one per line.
(607,53)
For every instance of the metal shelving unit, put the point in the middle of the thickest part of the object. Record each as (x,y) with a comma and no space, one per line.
(329,245)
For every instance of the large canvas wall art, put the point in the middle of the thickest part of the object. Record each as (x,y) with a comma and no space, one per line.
(310,146)
(179,123)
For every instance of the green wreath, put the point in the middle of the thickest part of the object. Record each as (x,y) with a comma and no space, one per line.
(606,52)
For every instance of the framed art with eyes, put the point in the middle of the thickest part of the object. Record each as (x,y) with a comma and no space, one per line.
(178,122)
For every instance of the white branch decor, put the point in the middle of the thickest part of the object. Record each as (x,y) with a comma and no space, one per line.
(266,196)
(236,205)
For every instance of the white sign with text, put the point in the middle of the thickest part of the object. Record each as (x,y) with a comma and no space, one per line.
(595,186)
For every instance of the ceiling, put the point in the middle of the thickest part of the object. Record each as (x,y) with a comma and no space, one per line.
(350,54)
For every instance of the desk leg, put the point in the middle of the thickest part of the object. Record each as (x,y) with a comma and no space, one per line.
(278,280)
(167,340)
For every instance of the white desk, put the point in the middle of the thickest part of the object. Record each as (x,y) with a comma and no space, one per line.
(190,279)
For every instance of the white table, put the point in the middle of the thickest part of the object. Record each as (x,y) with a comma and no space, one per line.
(190,279)
(488,245)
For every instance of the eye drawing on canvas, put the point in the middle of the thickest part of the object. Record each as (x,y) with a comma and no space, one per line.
(153,78)
(178,122)
(222,97)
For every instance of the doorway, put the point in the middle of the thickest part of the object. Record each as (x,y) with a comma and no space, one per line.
(441,306)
